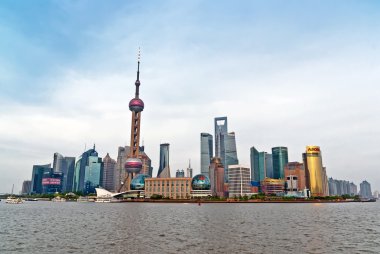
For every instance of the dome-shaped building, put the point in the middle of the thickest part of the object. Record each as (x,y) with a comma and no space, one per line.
(200,182)
(138,183)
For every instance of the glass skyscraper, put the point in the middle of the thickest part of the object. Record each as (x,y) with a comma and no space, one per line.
(254,157)
(88,172)
(268,165)
(164,168)
(206,153)
(37,175)
(229,153)
(220,124)
(280,159)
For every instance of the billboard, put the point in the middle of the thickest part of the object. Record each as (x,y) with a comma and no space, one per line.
(51,181)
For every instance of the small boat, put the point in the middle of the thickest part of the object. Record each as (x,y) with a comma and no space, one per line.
(14,200)
(58,199)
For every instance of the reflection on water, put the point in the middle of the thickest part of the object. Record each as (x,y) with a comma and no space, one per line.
(47,227)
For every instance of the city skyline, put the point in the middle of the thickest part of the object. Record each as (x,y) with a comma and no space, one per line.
(68,83)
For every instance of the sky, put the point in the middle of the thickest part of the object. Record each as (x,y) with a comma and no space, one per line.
(285,73)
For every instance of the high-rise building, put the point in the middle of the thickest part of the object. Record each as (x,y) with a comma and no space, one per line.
(51,182)
(120,173)
(220,124)
(164,168)
(229,153)
(26,187)
(325,183)
(254,158)
(365,190)
(295,176)
(58,162)
(217,177)
(353,189)
(239,181)
(269,165)
(189,171)
(206,152)
(280,159)
(88,172)
(272,186)
(37,175)
(314,171)
(109,173)
(180,173)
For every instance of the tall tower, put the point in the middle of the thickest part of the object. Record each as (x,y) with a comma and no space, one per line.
(206,153)
(134,164)
(164,168)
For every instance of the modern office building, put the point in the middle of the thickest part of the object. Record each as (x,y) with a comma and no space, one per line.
(365,190)
(174,188)
(254,158)
(37,175)
(120,173)
(325,182)
(109,173)
(58,163)
(229,153)
(220,124)
(239,181)
(295,176)
(353,189)
(88,173)
(312,161)
(51,182)
(66,166)
(280,159)
(164,168)
(268,165)
(180,173)
(26,187)
(206,152)
(216,170)
(341,187)
(272,186)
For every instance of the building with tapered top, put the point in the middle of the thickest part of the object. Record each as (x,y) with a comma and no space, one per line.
(164,168)
(206,152)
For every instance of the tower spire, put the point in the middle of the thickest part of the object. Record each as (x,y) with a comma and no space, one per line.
(137,83)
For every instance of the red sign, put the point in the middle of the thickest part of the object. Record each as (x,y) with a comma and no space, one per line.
(51,181)
(313,149)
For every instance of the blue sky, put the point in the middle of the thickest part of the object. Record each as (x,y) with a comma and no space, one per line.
(285,73)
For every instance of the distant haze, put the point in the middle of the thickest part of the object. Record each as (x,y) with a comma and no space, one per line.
(285,73)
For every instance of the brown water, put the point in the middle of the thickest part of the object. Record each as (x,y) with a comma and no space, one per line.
(47,227)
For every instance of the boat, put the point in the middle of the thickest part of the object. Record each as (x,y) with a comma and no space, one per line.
(58,199)
(14,200)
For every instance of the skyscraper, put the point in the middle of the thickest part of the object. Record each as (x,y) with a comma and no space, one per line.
(280,159)
(26,185)
(206,152)
(58,162)
(365,190)
(51,181)
(229,153)
(164,168)
(268,165)
(189,170)
(88,172)
(220,124)
(295,176)
(239,181)
(37,175)
(314,171)
(217,177)
(133,165)
(254,158)
(109,173)
(68,171)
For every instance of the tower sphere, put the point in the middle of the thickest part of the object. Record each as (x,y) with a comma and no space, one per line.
(136,105)
(133,165)
(200,182)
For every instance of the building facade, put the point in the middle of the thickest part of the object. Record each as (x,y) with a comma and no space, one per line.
(220,127)
(239,181)
(180,173)
(189,171)
(314,171)
(229,153)
(217,177)
(272,186)
(37,175)
(164,168)
(280,159)
(365,190)
(206,152)
(88,172)
(173,188)
(295,173)
(109,173)
(26,187)
(51,182)
(268,165)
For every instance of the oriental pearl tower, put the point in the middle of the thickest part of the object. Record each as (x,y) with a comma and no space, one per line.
(133,164)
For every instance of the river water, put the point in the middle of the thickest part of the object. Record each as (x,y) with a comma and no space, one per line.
(48,227)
